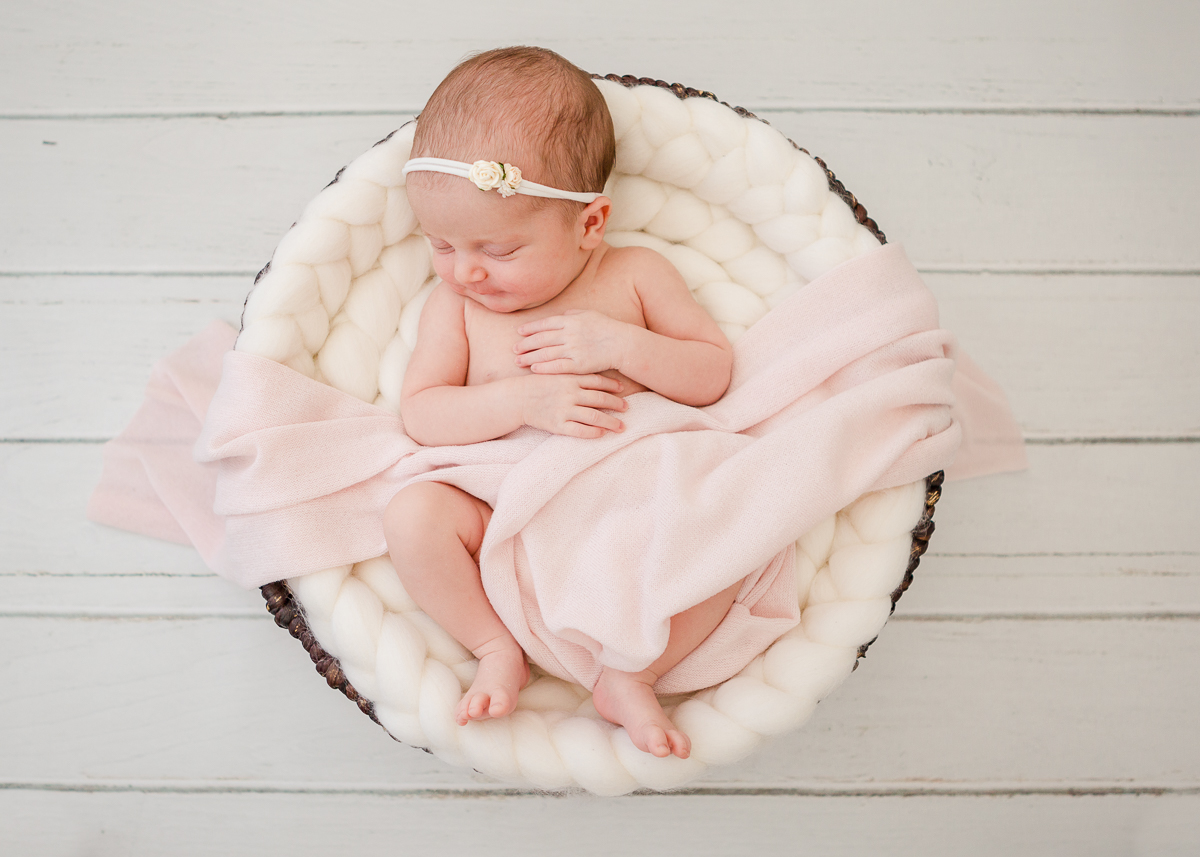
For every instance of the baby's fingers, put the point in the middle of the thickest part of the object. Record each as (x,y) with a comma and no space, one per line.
(600,399)
(534,341)
(600,382)
(561,366)
(589,417)
(550,322)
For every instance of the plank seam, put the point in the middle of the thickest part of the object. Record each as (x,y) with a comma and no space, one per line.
(1096,440)
(1044,554)
(966,269)
(902,789)
(122,614)
(1036,440)
(913,108)
(54,440)
(112,575)
(1064,270)
(1082,616)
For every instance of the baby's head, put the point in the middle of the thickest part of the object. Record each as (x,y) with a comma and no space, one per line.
(530,108)
(523,106)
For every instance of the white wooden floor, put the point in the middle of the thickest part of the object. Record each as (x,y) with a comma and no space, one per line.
(1036,692)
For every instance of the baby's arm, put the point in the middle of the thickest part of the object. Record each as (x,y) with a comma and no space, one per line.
(680,354)
(438,408)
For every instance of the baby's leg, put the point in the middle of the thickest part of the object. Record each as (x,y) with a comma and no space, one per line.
(628,699)
(434,532)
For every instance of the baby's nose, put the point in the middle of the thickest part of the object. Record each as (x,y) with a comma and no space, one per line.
(467,269)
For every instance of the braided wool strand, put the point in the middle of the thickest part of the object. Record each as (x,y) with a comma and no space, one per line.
(748,219)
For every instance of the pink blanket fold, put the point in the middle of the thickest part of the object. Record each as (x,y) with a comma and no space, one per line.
(846,387)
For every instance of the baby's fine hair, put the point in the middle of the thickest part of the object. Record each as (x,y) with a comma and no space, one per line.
(524,106)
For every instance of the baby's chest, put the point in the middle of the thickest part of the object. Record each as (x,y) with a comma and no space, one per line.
(492,336)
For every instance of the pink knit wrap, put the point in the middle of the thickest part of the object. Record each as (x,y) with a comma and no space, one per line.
(848,386)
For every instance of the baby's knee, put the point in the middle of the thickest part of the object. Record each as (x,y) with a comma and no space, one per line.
(426,517)
(413,512)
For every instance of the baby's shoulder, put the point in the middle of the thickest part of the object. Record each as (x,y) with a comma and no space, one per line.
(443,308)
(443,300)
(639,264)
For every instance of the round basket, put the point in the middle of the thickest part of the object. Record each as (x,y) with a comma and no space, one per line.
(747,217)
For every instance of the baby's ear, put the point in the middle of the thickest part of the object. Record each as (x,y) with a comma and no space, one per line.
(594,220)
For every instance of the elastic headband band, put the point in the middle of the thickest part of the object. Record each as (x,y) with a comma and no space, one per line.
(487,175)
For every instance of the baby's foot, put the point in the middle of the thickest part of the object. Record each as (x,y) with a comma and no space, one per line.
(501,675)
(628,700)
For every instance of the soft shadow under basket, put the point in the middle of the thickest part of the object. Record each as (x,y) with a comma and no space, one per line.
(747,217)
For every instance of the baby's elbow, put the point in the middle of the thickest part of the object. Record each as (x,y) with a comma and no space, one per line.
(414,425)
(717,379)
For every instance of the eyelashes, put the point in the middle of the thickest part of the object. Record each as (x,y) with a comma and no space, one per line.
(446,249)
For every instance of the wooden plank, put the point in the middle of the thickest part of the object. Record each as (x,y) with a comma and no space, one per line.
(945,705)
(79,349)
(945,586)
(185,194)
(1084,356)
(1045,192)
(58,823)
(1086,499)
(1122,499)
(46,490)
(1074,500)
(180,596)
(992,192)
(1047,585)
(270,55)
(1122,348)
(1017,702)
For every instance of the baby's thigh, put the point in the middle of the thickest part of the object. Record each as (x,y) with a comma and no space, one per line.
(429,513)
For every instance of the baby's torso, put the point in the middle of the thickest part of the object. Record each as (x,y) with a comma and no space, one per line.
(492,335)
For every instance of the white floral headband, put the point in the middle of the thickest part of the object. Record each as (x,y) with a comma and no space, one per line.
(487,175)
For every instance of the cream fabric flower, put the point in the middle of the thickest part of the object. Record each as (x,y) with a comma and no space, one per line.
(486,174)
(512,180)
(489,174)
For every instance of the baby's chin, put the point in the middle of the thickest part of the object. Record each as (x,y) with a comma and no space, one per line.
(495,303)
(503,302)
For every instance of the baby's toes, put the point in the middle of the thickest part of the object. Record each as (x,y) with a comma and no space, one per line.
(471,707)
(478,708)
(654,742)
(501,704)
(681,745)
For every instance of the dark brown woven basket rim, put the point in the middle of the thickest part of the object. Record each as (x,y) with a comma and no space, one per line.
(684,92)
(289,613)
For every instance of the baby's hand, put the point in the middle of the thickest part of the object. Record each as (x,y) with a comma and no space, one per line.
(570,404)
(578,342)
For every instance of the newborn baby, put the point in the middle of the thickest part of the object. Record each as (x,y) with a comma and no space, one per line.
(536,321)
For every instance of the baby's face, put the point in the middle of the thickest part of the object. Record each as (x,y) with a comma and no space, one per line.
(500,252)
